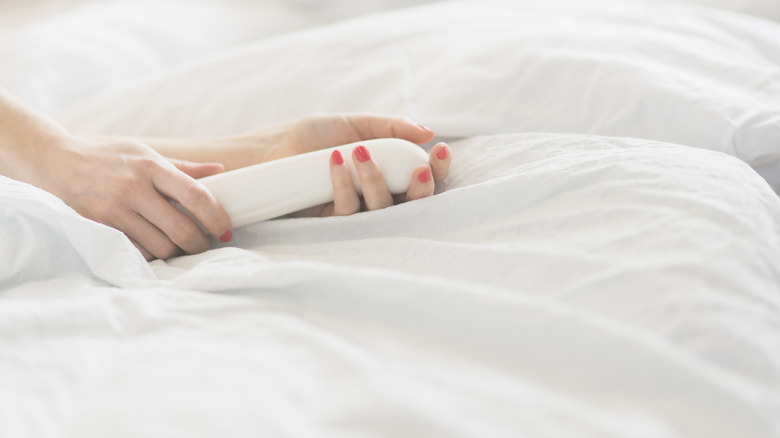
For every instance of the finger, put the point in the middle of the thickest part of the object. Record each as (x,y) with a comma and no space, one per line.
(197,170)
(179,228)
(370,126)
(375,192)
(193,196)
(422,184)
(147,255)
(440,159)
(148,237)
(345,198)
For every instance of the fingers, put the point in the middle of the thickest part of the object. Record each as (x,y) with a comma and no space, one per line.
(371,126)
(345,198)
(440,158)
(147,255)
(197,170)
(196,199)
(421,185)
(375,192)
(423,177)
(179,229)
(148,238)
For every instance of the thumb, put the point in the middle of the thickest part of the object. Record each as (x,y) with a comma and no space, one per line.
(371,126)
(197,170)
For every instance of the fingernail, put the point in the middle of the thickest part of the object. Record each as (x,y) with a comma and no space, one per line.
(424,176)
(442,153)
(336,157)
(425,128)
(226,237)
(362,154)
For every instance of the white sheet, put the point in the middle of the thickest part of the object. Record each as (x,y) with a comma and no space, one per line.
(568,286)
(57,53)
(563,285)
(761,8)
(671,72)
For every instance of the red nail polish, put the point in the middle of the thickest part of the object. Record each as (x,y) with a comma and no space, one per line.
(362,154)
(336,157)
(226,237)
(424,176)
(442,153)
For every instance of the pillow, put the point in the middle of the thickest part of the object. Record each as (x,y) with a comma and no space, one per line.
(671,72)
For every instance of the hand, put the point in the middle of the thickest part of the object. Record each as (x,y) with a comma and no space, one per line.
(319,132)
(129,186)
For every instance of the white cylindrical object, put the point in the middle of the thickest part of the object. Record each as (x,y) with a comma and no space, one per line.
(275,188)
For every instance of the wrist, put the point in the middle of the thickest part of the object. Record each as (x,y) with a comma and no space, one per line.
(28,141)
(30,157)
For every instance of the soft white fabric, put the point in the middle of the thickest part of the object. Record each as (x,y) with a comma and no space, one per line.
(56,53)
(670,72)
(558,285)
(44,238)
(92,46)
(761,8)
(562,285)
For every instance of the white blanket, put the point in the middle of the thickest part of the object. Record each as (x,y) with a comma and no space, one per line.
(559,284)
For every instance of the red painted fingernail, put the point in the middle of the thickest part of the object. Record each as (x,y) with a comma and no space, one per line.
(226,237)
(424,176)
(336,157)
(442,153)
(425,128)
(362,154)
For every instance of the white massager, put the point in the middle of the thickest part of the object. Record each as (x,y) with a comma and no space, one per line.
(268,190)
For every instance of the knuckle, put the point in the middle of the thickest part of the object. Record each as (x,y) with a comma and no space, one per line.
(166,250)
(372,178)
(148,163)
(343,185)
(186,231)
(195,193)
(396,124)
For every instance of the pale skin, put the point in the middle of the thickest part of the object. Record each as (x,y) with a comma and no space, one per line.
(128,182)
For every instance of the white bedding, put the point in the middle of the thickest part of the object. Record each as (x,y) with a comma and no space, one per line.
(57,52)
(615,275)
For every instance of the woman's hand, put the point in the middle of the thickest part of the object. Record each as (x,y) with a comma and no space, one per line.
(158,230)
(319,132)
(129,186)
(121,183)
(375,193)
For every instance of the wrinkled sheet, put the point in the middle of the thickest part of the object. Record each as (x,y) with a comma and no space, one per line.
(562,285)
(558,285)
(671,71)
(55,53)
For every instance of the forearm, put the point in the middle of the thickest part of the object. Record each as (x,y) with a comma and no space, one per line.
(27,139)
(233,151)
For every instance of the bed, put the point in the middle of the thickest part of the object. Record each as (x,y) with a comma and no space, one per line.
(604,259)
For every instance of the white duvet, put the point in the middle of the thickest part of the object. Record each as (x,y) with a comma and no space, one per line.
(602,261)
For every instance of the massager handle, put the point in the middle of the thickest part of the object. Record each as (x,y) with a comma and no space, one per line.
(275,188)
